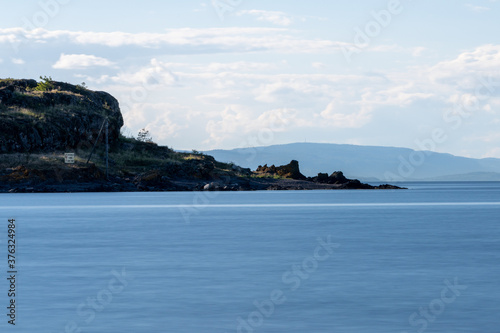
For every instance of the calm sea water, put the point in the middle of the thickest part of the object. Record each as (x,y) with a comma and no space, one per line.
(422,260)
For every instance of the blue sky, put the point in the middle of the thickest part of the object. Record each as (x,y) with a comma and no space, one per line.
(238,73)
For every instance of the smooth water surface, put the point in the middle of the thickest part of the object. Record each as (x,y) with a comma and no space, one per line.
(423,259)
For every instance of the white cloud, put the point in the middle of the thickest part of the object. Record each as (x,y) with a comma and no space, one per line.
(398,94)
(477,9)
(274,17)
(219,100)
(240,66)
(468,67)
(279,120)
(163,120)
(80,61)
(18,61)
(236,100)
(233,120)
(243,122)
(419,51)
(490,138)
(234,40)
(202,8)
(319,65)
(220,97)
(156,73)
(494,152)
(178,41)
(343,114)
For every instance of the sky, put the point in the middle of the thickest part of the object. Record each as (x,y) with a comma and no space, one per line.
(239,73)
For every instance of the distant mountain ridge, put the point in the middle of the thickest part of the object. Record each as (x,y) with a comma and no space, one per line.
(367,163)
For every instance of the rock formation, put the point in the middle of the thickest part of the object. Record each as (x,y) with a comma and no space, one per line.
(60,118)
(290,170)
(336,180)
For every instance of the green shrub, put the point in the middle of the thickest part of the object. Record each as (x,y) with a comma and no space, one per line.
(45,85)
(144,136)
(81,86)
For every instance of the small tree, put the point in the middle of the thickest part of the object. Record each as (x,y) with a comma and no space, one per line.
(195,152)
(82,86)
(144,136)
(45,84)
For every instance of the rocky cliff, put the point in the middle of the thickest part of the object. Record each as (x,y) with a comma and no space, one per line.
(290,170)
(48,116)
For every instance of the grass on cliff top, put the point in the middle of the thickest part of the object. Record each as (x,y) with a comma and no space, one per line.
(7,80)
(36,160)
(141,157)
(266,175)
(121,163)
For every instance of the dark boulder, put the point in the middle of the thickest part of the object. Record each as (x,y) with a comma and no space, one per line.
(354,184)
(335,178)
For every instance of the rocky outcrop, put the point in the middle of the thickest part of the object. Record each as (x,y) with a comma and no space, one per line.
(338,178)
(60,118)
(335,178)
(290,170)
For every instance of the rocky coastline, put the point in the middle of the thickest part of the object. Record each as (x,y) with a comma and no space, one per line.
(89,178)
(41,121)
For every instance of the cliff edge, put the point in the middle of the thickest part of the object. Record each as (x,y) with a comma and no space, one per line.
(51,116)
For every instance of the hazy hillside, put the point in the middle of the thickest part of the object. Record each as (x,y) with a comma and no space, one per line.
(366,162)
